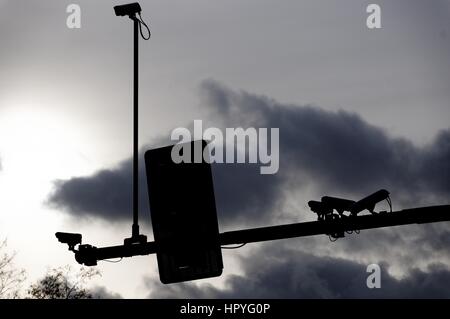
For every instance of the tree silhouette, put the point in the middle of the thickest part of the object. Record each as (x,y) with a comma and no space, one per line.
(11,278)
(63,283)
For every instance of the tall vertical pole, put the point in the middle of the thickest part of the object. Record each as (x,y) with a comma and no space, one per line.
(135,228)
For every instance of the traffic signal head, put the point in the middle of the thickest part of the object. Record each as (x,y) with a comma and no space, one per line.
(184,217)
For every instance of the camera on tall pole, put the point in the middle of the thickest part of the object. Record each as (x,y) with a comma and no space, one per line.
(133,11)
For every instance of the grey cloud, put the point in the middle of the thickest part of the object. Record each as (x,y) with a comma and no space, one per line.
(337,152)
(100,292)
(286,274)
(242,194)
(106,194)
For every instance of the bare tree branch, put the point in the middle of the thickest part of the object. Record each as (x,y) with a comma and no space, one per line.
(11,278)
(63,283)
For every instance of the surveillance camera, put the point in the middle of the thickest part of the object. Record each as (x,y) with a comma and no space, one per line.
(339,204)
(69,239)
(369,202)
(127,9)
(86,255)
(320,208)
(316,206)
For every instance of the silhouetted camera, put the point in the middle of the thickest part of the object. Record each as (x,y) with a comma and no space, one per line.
(86,255)
(369,202)
(339,204)
(69,239)
(322,210)
(127,9)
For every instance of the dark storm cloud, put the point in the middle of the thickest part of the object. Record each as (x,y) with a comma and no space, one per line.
(338,152)
(243,194)
(286,273)
(106,194)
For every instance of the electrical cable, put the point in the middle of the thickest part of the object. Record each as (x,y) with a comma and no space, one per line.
(113,261)
(141,22)
(388,199)
(235,247)
(332,238)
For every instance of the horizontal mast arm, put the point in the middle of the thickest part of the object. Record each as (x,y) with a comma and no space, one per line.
(89,255)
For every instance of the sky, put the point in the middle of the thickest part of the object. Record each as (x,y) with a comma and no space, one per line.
(358,109)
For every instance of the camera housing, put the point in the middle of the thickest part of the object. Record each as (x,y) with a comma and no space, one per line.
(71,239)
(339,204)
(369,202)
(86,255)
(127,9)
(321,209)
